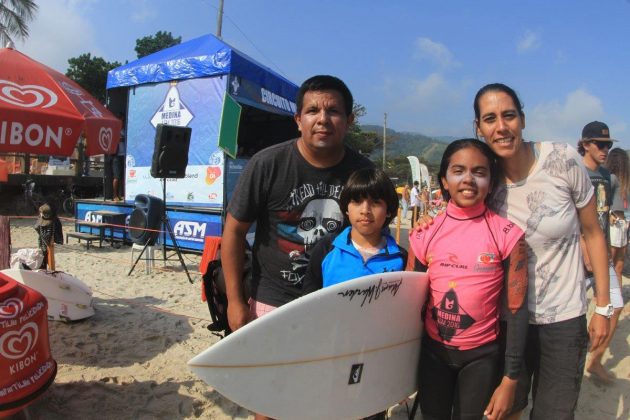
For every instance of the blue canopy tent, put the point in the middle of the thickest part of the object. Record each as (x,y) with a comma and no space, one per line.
(234,106)
(205,56)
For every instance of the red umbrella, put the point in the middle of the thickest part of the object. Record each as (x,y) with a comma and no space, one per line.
(44,112)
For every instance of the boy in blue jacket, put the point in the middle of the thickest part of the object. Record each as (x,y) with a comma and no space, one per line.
(369,202)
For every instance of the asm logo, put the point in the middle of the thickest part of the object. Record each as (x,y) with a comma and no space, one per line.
(93,218)
(191,231)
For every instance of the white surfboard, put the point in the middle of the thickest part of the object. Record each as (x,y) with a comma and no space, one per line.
(69,299)
(346,351)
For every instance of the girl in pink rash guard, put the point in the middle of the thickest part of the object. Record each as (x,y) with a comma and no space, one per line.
(477,265)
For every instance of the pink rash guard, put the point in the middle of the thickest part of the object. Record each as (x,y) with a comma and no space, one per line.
(464,250)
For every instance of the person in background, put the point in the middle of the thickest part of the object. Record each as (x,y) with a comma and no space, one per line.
(406,197)
(594,147)
(460,373)
(618,164)
(49,232)
(291,191)
(424,201)
(415,202)
(118,163)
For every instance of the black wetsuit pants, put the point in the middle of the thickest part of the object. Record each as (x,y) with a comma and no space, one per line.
(457,384)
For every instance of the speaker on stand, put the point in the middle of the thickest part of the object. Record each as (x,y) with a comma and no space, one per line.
(170,158)
(170,155)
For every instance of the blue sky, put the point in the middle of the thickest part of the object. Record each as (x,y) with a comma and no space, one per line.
(420,61)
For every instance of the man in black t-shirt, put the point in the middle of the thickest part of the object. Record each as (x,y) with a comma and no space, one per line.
(291,191)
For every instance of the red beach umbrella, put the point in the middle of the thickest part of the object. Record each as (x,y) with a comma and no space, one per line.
(44,112)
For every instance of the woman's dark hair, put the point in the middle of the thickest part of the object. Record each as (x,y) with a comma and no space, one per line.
(497,87)
(618,164)
(370,183)
(463,144)
(325,82)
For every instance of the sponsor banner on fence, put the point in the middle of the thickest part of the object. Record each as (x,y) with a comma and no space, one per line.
(190,227)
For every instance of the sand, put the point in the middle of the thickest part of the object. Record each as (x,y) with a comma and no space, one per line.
(128,361)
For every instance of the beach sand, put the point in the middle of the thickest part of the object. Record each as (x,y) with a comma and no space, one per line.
(128,361)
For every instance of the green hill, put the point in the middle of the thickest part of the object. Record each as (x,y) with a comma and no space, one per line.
(408,144)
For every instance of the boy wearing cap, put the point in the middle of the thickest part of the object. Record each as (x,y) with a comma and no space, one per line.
(594,147)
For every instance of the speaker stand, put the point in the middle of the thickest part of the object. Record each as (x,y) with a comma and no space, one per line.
(144,248)
(165,222)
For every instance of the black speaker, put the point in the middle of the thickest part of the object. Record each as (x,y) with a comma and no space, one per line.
(170,155)
(146,215)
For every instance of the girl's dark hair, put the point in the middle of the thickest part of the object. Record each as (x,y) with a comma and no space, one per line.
(618,164)
(463,144)
(370,183)
(497,87)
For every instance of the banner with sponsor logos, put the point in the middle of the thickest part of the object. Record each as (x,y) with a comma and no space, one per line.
(190,227)
(195,103)
(252,94)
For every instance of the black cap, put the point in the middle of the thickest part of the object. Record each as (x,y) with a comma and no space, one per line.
(595,131)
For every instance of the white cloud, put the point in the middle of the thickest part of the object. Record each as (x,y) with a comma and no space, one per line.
(58,33)
(431,106)
(530,41)
(144,11)
(618,130)
(429,90)
(426,49)
(563,121)
(561,57)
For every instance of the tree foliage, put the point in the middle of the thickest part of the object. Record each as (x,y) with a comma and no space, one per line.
(14,18)
(152,43)
(357,139)
(90,73)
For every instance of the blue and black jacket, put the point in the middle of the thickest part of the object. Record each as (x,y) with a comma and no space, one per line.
(335,259)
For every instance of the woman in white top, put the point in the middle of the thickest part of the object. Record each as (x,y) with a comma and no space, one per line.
(546,191)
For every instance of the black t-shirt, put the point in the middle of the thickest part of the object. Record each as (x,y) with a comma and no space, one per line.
(294,204)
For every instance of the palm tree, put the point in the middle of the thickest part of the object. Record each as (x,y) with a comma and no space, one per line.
(14,16)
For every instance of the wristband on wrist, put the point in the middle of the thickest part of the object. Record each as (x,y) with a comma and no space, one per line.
(606,311)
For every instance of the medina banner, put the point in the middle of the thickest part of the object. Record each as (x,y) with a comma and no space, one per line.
(194,103)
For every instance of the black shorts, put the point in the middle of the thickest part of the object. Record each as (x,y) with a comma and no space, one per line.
(118,166)
(457,384)
(555,355)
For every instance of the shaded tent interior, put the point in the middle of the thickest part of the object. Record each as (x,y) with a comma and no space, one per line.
(258,128)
